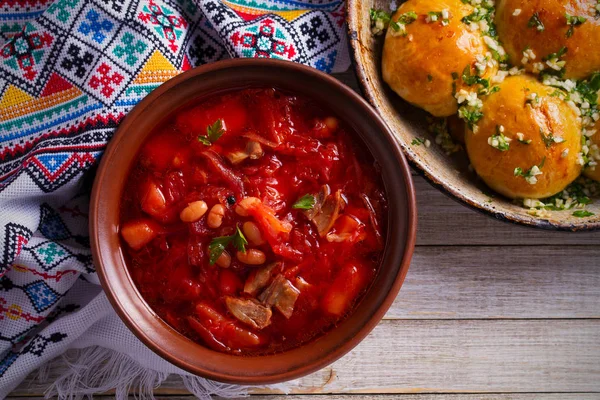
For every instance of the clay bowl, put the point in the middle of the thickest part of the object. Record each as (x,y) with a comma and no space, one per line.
(109,185)
(450,174)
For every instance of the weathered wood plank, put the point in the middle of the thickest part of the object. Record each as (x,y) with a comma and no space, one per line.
(468,356)
(442,396)
(459,282)
(443,221)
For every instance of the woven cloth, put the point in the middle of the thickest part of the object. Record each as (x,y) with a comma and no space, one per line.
(70,70)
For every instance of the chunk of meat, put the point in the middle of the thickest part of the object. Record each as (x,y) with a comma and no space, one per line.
(253,151)
(260,278)
(281,294)
(320,198)
(326,210)
(139,233)
(249,311)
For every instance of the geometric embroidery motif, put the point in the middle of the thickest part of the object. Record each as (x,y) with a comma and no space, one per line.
(25,51)
(49,254)
(48,177)
(201,51)
(128,48)
(313,35)
(62,9)
(105,80)
(39,343)
(95,26)
(264,41)
(41,295)
(167,25)
(15,237)
(77,60)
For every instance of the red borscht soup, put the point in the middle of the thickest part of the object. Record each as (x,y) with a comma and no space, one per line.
(253,221)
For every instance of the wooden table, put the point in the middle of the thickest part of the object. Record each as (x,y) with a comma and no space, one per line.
(488,310)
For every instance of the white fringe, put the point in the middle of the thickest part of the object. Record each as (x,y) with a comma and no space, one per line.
(95,370)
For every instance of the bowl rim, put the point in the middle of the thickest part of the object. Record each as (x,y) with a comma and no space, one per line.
(409,227)
(353,23)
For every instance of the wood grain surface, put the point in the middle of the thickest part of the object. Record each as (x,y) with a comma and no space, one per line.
(488,311)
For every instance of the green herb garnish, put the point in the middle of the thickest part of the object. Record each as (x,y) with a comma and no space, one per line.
(306,202)
(499,141)
(218,245)
(531,173)
(588,89)
(470,115)
(573,21)
(550,139)
(239,240)
(408,18)
(474,79)
(535,22)
(213,133)
(583,213)
(555,56)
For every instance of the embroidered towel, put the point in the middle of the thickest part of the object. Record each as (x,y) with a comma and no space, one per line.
(70,70)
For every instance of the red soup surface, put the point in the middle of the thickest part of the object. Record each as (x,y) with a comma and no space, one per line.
(253,220)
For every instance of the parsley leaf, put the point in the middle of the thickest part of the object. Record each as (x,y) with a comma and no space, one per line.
(217,247)
(380,20)
(213,133)
(499,141)
(573,21)
(379,15)
(555,56)
(408,18)
(531,173)
(583,213)
(239,240)
(204,140)
(471,80)
(306,202)
(470,115)
(535,22)
(588,89)
(550,139)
